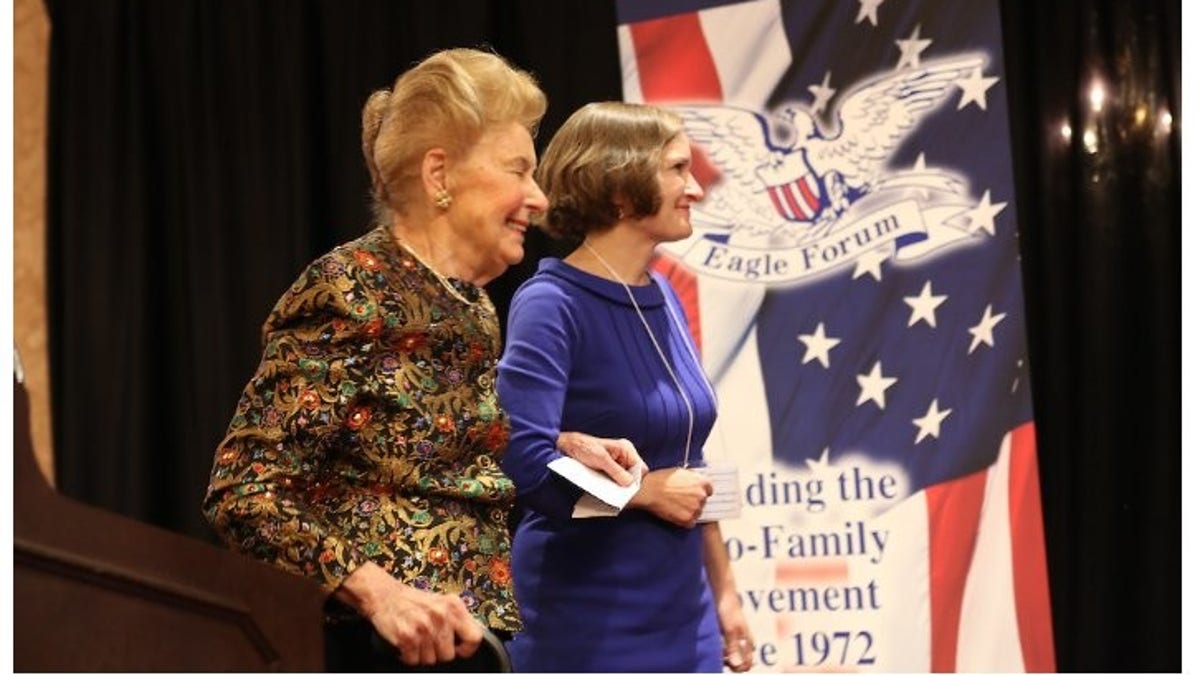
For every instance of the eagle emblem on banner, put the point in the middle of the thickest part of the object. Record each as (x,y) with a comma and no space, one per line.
(790,177)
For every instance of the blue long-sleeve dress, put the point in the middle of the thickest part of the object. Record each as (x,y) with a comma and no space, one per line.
(625,593)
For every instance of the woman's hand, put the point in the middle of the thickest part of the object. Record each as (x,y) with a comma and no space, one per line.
(735,632)
(739,646)
(675,495)
(425,628)
(616,457)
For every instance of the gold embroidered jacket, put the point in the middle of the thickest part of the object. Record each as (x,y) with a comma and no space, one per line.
(371,431)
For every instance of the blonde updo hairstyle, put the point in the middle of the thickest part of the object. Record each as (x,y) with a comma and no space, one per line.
(447,100)
(604,160)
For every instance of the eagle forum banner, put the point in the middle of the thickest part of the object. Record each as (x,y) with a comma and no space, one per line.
(853,284)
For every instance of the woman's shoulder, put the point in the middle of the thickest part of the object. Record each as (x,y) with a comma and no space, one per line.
(539,294)
(370,251)
(546,297)
(346,280)
(353,263)
(547,279)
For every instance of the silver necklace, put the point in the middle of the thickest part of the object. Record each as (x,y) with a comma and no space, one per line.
(687,402)
(437,275)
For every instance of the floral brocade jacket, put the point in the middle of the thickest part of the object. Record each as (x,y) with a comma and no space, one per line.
(371,431)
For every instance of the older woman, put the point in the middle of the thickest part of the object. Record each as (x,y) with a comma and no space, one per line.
(363,453)
(597,343)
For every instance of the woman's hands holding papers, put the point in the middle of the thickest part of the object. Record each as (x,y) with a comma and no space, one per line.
(616,457)
(675,495)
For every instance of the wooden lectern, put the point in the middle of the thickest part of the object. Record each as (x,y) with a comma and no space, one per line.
(95,591)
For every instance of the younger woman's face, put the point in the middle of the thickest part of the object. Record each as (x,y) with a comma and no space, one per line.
(679,190)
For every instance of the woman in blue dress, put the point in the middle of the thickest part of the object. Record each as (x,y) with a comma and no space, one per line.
(597,343)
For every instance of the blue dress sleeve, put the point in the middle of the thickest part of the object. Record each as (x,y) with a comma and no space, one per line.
(532,385)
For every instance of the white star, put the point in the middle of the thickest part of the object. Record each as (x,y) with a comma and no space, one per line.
(821,94)
(983,331)
(873,385)
(869,262)
(923,305)
(821,464)
(818,345)
(974,89)
(931,423)
(867,9)
(983,217)
(910,49)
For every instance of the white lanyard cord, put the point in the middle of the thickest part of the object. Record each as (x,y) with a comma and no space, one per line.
(687,403)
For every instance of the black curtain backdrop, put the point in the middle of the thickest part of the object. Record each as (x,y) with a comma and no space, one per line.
(201,152)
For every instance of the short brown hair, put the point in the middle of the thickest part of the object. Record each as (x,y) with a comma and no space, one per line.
(604,152)
(447,100)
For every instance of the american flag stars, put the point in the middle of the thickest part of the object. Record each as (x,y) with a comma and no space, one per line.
(924,305)
(983,216)
(869,262)
(981,333)
(910,50)
(974,89)
(874,384)
(822,94)
(818,345)
(931,423)
(868,9)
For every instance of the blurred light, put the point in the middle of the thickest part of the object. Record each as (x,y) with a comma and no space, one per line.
(1166,120)
(1065,130)
(1097,96)
(1090,141)
(1139,115)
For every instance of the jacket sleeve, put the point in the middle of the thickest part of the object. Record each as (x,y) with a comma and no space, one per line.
(269,464)
(532,385)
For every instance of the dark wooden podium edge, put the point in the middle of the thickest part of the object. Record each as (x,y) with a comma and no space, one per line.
(278,614)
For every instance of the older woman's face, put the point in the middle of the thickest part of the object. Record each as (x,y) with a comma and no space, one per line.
(495,197)
(678,189)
